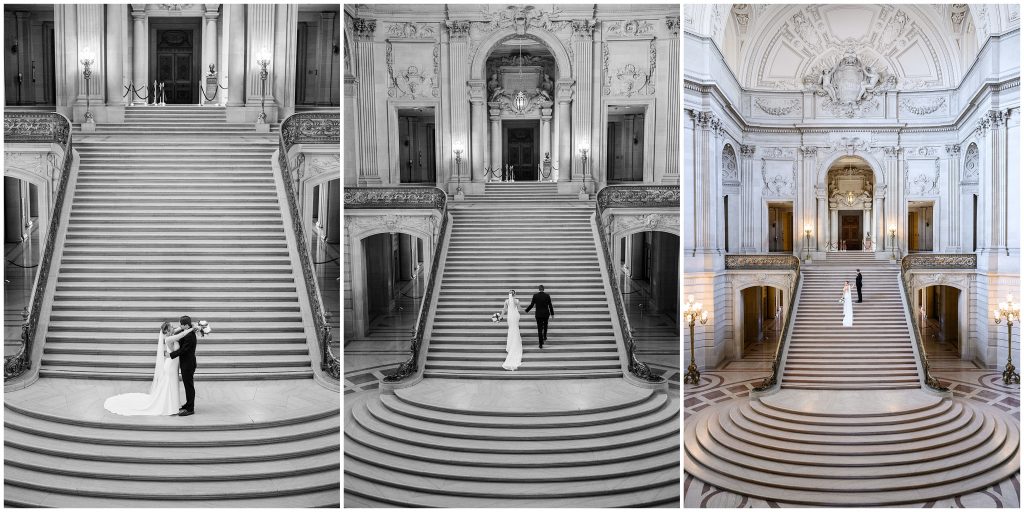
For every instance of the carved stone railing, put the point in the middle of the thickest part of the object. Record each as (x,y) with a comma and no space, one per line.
(630,196)
(310,128)
(409,198)
(762,262)
(35,127)
(771,262)
(912,262)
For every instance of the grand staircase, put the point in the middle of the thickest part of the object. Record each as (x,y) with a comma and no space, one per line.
(175,213)
(518,236)
(565,429)
(876,353)
(851,425)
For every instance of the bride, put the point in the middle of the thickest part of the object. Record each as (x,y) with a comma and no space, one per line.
(514,342)
(847,306)
(162,399)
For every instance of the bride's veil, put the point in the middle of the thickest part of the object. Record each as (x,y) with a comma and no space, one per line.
(158,368)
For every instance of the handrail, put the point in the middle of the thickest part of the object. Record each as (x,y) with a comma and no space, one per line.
(34,127)
(928,261)
(630,196)
(293,132)
(787,330)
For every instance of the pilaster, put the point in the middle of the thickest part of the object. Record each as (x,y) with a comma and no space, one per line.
(705,128)
(583,64)
(750,224)
(667,171)
(369,169)
(458,77)
(260,27)
(235,35)
(478,156)
(91,38)
(952,209)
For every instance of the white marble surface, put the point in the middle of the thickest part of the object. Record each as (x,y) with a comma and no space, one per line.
(519,396)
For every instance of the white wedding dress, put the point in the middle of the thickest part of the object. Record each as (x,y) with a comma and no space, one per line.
(847,309)
(162,399)
(514,341)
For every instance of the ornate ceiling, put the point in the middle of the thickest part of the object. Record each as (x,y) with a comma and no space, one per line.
(781,47)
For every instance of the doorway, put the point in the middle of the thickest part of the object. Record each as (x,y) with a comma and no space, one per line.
(174,58)
(939,321)
(522,148)
(29,66)
(761,322)
(919,227)
(851,230)
(780,227)
(626,143)
(417,155)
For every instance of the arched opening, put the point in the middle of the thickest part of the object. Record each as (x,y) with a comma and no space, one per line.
(394,284)
(939,318)
(29,69)
(761,311)
(851,205)
(649,283)
(22,250)
(325,249)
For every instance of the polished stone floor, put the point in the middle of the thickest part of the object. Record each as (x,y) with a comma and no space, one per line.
(20,263)
(734,380)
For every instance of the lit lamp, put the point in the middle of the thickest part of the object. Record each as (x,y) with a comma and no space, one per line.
(692,312)
(1010,311)
(88,58)
(583,149)
(458,148)
(892,240)
(263,60)
(807,235)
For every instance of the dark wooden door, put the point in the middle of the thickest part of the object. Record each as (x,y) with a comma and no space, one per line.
(176,64)
(521,153)
(850,231)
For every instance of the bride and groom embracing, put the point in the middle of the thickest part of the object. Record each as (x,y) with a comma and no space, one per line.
(176,348)
(514,341)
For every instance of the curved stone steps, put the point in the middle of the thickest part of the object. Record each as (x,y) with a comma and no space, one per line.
(425,446)
(851,448)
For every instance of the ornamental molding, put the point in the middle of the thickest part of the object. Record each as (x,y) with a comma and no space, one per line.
(361,226)
(705,120)
(781,280)
(37,127)
(668,223)
(921,152)
(458,28)
(521,17)
(778,153)
(777,107)
(953,150)
(923,182)
(672,24)
(849,82)
(394,198)
(410,30)
(631,79)
(966,261)
(584,28)
(761,262)
(311,128)
(747,150)
(957,279)
(638,196)
(923,107)
(363,28)
(851,110)
(413,82)
(779,183)
(630,28)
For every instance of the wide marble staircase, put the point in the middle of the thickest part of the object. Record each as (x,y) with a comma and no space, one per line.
(851,425)
(565,429)
(175,212)
(875,353)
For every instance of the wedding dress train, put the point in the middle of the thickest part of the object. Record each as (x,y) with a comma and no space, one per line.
(162,399)
(847,309)
(514,341)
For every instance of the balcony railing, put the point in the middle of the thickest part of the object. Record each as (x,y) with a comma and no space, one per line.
(310,128)
(762,262)
(39,127)
(630,196)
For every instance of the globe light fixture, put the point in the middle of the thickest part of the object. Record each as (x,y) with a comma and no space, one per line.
(1009,311)
(692,313)
(88,58)
(263,60)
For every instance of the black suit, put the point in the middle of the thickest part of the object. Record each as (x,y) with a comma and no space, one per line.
(187,352)
(544,310)
(860,283)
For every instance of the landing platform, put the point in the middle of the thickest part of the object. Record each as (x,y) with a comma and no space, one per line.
(851,403)
(524,397)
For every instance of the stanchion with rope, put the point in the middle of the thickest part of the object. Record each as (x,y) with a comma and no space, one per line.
(209,98)
(130,89)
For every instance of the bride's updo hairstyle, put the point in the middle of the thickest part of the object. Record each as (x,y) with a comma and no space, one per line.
(165,328)
(513,292)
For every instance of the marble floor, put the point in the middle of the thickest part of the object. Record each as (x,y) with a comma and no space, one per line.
(734,380)
(20,263)
(327,265)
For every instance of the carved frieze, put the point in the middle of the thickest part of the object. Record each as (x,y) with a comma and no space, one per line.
(730,170)
(630,79)
(761,262)
(363,28)
(409,30)
(630,28)
(778,153)
(521,17)
(646,222)
(357,225)
(923,107)
(921,182)
(778,107)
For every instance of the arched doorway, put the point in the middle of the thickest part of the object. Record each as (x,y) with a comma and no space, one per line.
(393,274)
(761,313)
(649,283)
(851,205)
(23,239)
(939,319)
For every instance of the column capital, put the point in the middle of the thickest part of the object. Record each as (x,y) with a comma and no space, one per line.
(953,150)
(545,113)
(672,23)
(495,113)
(809,151)
(458,29)
(747,150)
(477,91)
(138,16)
(891,151)
(563,90)
(584,28)
(363,28)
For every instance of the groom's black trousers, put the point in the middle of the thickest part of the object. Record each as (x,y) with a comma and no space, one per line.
(542,329)
(190,388)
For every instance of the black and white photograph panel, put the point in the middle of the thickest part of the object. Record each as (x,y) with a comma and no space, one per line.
(511,210)
(172,215)
(852,255)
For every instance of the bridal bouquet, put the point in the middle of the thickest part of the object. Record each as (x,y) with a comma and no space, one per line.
(842,300)
(204,328)
(495,318)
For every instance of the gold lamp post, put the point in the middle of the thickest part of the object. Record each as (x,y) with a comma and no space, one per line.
(457,148)
(692,312)
(1009,311)
(807,235)
(88,58)
(584,148)
(263,60)
(892,240)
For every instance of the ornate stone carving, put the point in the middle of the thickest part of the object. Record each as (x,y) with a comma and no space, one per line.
(742,280)
(584,28)
(809,151)
(923,183)
(631,79)
(458,28)
(730,171)
(638,196)
(646,222)
(953,150)
(391,223)
(778,183)
(999,117)
(672,24)
(777,107)
(394,198)
(778,153)
(923,151)
(747,150)
(761,262)
(630,28)
(850,86)
(971,165)
(319,164)
(957,14)
(705,120)
(522,17)
(34,127)
(940,261)
(409,30)
(923,107)
(311,128)
(31,162)
(363,28)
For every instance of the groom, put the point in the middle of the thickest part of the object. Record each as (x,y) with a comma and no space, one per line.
(544,310)
(187,352)
(860,283)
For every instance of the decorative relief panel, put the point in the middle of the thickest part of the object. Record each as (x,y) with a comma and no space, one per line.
(318,164)
(412,30)
(730,171)
(413,69)
(782,281)
(646,222)
(30,162)
(779,178)
(961,280)
(521,17)
(358,226)
(778,107)
(922,177)
(629,28)
(971,165)
(626,71)
(924,106)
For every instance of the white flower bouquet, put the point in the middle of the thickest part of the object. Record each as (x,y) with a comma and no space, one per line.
(204,328)
(495,318)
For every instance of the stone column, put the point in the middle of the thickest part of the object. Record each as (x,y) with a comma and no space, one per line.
(13,213)
(115,76)
(996,185)
(91,36)
(209,41)
(369,171)
(260,27)
(894,211)
(495,112)
(669,66)
(545,132)
(952,207)
(705,125)
(821,217)
(330,62)
(235,35)
(833,228)
(478,133)
(563,96)
(583,64)
(749,217)
(140,52)
(458,77)
(333,232)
